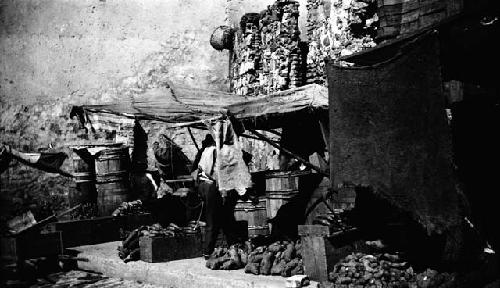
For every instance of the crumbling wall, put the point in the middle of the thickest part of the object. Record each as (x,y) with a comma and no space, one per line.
(337,28)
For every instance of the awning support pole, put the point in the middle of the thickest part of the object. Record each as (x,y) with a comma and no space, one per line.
(324,133)
(288,152)
(192,138)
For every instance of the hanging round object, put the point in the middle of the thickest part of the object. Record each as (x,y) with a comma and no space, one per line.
(222,38)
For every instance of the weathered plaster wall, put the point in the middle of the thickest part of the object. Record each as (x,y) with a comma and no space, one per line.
(57,53)
(54,48)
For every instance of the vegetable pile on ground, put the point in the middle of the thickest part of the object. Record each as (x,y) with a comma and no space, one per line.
(280,258)
(382,270)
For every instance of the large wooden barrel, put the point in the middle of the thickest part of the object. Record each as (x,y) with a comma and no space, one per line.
(84,175)
(112,167)
(253,214)
(281,187)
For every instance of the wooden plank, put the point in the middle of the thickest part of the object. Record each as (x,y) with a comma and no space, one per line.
(313,230)
(314,256)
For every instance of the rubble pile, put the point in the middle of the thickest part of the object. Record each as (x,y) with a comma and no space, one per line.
(129,208)
(382,270)
(337,28)
(280,258)
(268,55)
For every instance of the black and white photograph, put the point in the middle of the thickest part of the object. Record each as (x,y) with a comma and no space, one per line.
(249,143)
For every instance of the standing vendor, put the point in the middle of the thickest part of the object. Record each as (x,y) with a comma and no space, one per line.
(215,215)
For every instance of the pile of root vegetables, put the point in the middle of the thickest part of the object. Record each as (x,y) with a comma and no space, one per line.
(382,270)
(280,258)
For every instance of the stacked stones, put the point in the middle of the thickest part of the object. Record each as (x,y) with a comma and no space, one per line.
(247,53)
(317,26)
(277,64)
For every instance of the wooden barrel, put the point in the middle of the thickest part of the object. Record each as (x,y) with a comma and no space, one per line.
(254,214)
(281,186)
(112,179)
(254,231)
(84,175)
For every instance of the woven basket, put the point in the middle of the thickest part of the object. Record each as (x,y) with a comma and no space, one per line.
(222,38)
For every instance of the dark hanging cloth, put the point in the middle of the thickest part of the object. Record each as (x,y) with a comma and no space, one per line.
(46,161)
(389,131)
(5,159)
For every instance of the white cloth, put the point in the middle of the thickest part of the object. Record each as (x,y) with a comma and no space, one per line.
(207,163)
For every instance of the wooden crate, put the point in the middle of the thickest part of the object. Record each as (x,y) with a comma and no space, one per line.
(276,199)
(88,231)
(321,250)
(30,245)
(163,249)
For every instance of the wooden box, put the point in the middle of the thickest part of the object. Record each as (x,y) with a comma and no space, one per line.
(30,245)
(164,249)
(88,231)
(321,250)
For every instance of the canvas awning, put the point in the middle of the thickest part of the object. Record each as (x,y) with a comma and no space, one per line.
(189,107)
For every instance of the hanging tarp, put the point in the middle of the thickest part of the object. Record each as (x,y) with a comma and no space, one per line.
(388,130)
(45,161)
(181,106)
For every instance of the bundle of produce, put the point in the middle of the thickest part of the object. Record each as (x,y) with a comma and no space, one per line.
(193,227)
(129,208)
(382,270)
(129,250)
(337,221)
(280,258)
(171,230)
(227,259)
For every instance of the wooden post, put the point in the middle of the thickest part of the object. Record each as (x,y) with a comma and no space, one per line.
(314,249)
(321,249)
(192,138)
